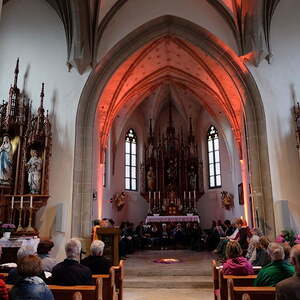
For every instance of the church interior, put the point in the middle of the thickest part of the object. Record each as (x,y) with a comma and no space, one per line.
(164,116)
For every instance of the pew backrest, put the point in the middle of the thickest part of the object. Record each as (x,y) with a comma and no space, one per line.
(109,286)
(77,296)
(215,276)
(255,293)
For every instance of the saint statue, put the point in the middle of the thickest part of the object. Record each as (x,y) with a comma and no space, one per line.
(150,179)
(6,155)
(192,179)
(34,172)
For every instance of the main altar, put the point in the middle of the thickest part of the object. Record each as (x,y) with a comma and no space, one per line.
(172,171)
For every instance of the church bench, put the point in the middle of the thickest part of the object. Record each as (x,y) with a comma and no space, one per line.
(255,293)
(76,292)
(246,280)
(119,278)
(109,291)
(215,276)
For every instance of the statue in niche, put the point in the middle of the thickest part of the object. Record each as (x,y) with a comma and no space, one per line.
(34,172)
(192,179)
(151,179)
(172,173)
(6,155)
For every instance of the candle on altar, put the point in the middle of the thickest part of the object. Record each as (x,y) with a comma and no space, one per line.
(149,195)
(159,195)
(184,194)
(189,194)
(194,194)
(31,198)
(12,201)
(21,203)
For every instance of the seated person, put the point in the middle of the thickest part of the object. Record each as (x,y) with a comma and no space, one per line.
(277,270)
(3,288)
(30,286)
(13,274)
(43,249)
(289,289)
(254,240)
(236,264)
(260,256)
(70,271)
(96,262)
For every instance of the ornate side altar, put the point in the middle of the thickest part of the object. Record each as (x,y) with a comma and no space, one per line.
(25,152)
(172,171)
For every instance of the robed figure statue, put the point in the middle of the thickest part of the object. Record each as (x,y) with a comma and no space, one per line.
(6,155)
(34,172)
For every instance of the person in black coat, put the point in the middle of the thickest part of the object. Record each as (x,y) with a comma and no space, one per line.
(70,271)
(96,262)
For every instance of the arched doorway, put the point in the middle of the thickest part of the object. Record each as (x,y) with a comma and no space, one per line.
(196,61)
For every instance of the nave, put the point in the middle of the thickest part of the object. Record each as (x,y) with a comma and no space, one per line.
(188,279)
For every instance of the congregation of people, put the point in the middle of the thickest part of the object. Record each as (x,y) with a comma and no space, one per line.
(36,269)
(242,248)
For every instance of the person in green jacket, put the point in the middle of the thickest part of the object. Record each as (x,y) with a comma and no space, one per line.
(277,270)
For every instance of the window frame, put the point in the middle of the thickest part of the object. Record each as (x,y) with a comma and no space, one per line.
(132,136)
(213,137)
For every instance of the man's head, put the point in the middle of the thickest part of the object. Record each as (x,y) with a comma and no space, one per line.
(25,251)
(295,257)
(275,251)
(97,248)
(73,249)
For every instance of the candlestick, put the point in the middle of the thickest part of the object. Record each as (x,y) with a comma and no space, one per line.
(31,198)
(189,194)
(149,195)
(159,195)
(21,203)
(184,194)
(194,194)
(12,202)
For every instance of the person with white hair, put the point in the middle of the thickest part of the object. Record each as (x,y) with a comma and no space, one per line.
(70,271)
(13,275)
(96,262)
(277,270)
(290,288)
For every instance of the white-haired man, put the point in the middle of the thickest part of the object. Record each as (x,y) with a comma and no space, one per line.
(289,288)
(96,262)
(13,275)
(70,271)
(277,270)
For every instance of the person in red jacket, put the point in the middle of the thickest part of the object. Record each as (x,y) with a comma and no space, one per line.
(236,264)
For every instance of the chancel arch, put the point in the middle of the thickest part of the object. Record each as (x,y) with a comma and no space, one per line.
(176,55)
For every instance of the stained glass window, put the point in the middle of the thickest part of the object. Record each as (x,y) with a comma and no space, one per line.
(131,161)
(214,164)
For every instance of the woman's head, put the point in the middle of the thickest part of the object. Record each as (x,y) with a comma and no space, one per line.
(29,266)
(233,249)
(264,242)
(238,223)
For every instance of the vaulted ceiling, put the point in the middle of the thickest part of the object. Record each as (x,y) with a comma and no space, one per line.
(85,22)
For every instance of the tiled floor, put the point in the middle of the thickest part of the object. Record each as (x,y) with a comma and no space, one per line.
(188,280)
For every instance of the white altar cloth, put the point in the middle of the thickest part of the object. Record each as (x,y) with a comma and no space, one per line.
(162,219)
(19,242)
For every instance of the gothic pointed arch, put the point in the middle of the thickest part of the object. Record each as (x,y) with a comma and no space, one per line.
(170,50)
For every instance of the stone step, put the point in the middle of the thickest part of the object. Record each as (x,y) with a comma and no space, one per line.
(168,282)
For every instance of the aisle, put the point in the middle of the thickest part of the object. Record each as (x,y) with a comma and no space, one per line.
(189,279)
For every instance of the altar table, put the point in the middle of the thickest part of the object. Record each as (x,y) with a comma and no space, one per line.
(168,219)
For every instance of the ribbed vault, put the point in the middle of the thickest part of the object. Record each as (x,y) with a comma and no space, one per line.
(174,52)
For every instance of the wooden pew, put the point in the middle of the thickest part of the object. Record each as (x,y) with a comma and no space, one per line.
(109,291)
(255,293)
(76,292)
(215,276)
(237,280)
(119,278)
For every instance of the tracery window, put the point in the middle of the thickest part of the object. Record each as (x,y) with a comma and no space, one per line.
(214,165)
(131,161)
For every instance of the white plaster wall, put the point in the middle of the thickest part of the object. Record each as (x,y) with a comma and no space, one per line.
(39,40)
(137,12)
(210,205)
(274,82)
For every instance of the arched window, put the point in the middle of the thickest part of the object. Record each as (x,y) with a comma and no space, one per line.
(214,165)
(130,161)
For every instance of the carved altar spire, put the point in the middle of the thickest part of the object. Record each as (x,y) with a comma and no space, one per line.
(16,74)
(42,95)
(191,135)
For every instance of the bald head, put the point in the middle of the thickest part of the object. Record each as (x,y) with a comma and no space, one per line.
(276,251)
(295,257)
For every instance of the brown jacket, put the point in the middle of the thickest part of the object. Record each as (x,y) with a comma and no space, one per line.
(289,288)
